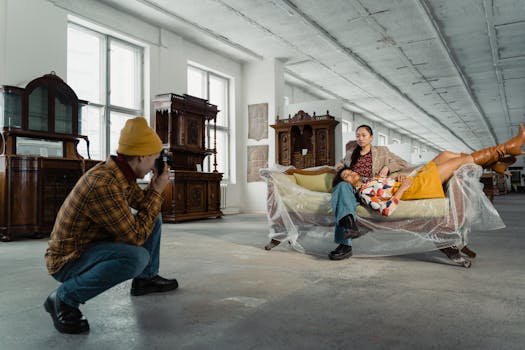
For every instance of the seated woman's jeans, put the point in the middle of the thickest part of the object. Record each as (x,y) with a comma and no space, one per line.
(106,264)
(343,203)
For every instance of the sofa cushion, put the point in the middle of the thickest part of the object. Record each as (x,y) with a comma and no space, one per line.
(422,208)
(316,183)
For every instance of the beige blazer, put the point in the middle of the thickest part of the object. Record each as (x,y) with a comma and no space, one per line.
(381,156)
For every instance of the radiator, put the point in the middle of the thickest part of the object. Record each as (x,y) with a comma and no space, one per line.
(224,188)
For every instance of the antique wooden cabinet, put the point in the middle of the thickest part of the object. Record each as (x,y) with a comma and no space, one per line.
(182,122)
(39,162)
(305,141)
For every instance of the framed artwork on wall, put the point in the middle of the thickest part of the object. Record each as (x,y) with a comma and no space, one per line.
(258,121)
(257,159)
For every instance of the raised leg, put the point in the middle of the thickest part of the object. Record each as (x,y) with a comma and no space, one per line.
(447,168)
(513,147)
(445,156)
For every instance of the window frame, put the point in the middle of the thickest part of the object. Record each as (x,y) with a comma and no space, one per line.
(105,105)
(225,129)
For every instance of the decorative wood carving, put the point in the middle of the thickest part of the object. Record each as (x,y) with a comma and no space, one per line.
(181,122)
(305,141)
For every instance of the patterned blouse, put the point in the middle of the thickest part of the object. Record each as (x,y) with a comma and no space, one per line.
(377,193)
(363,166)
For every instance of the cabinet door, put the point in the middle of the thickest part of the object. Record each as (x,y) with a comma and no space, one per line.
(322,147)
(196,196)
(284,148)
(57,179)
(22,191)
(63,113)
(214,195)
(38,117)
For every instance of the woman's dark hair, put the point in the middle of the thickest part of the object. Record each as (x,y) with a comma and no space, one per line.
(337,178)
(357,149)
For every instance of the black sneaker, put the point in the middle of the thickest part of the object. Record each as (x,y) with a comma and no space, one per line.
(342,252)
(157,284)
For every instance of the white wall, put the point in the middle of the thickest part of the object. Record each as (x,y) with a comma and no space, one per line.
(403,150)
(263,83)
(296,95)
(36,49)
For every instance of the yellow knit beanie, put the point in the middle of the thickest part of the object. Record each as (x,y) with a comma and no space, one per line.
(138,139)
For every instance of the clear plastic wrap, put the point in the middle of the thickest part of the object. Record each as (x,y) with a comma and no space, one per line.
(305,219)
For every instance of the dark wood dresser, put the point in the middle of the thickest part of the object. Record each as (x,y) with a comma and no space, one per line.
(39,162)
(186,125)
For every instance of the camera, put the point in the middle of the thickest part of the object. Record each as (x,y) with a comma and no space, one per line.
(162,160)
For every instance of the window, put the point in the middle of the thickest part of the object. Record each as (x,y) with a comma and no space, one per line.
(346,127)
(215,89)
(108,72)
(381,139)
(347,134)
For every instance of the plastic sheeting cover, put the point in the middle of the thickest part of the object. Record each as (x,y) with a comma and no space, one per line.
(305,219)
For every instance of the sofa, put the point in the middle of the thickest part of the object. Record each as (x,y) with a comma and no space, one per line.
(298,207)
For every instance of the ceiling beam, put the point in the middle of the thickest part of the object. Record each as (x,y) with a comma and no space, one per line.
(164,11)
(430,17)
(489,18)
(328,37)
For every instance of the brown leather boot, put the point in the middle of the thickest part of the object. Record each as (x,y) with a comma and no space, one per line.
(501,165)
(490,155)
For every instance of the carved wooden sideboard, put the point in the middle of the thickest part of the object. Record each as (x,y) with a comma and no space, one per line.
(39,162)
(305,141)
(182,122)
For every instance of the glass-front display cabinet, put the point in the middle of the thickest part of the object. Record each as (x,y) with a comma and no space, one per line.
(39,161)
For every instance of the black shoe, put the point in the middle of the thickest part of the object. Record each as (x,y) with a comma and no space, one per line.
(345,251)
(337,250)
(453,254)
(157,284)
(468,252)
(351,229)
(67,319)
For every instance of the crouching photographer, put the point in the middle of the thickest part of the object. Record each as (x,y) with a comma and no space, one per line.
(97,242)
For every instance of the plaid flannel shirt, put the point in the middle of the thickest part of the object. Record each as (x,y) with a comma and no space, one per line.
(98,209)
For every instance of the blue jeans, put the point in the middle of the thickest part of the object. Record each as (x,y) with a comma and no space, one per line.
(106,264)
(343,203)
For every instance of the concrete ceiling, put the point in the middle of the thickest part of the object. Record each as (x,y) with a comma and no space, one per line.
(449,72)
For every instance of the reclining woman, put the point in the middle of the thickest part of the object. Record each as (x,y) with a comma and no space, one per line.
(368,161)
(382,194)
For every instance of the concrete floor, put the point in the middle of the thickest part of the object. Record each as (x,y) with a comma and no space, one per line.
(235,295)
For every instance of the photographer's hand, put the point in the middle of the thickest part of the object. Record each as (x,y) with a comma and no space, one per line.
(160,181)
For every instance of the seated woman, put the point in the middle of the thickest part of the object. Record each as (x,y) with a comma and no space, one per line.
(369,160)
(383,194)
